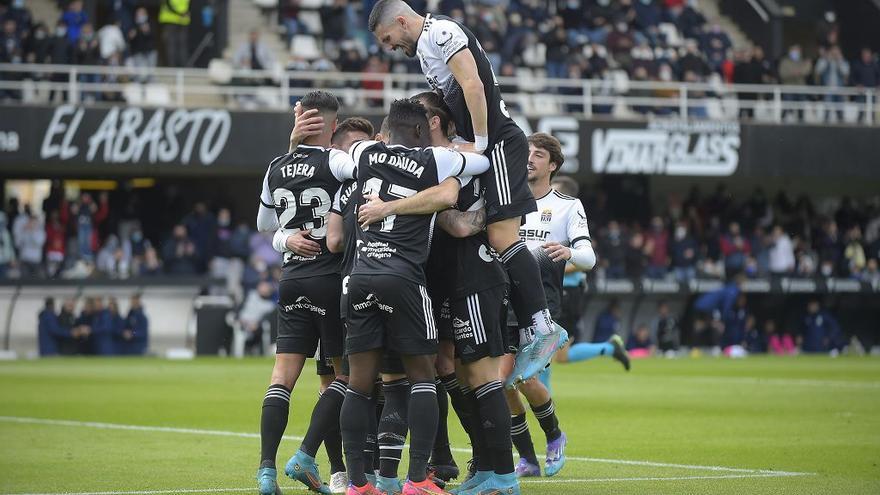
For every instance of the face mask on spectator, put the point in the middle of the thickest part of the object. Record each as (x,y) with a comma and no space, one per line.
(680,232)
(604,3)
(794,55)
(141,19)
(622,27)
(40,34)
(137,237)
(60,31)
(18,4)
(646,2)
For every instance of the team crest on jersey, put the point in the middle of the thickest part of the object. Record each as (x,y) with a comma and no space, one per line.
(546,216)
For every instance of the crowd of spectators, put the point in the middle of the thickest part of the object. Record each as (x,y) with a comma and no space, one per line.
(647,40)
(715,236)
(725,324)
(98,330)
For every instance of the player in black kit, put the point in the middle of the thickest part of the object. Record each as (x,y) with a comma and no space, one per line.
(296,198)
(456,66)
(389,305)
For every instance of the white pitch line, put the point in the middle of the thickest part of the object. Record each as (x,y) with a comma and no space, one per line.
(541,481)
(195,431)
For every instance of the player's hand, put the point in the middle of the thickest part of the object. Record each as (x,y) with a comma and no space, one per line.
(374,210)
(557,252)
(299,243)
(307,123)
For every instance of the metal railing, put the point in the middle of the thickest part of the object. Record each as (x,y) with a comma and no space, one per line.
(615,96)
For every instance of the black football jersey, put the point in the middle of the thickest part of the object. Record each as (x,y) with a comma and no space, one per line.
(344,205)
(458,267)
(300,186)
(399,244)
(440,40)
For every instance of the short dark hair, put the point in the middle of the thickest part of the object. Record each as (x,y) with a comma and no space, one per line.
(352,124)
(405,118)
(378,13)
(551,145)
(436,107)
(566,185)
(323,101)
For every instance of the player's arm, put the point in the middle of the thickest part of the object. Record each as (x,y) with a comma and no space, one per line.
(267,220)
(580,253)
(451,166)
(464,69)
(462,223)
(433,199)
(335,236)
(285,241)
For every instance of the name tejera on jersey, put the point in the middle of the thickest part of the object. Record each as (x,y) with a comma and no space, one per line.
(294,169)
(401,162)
(377,250)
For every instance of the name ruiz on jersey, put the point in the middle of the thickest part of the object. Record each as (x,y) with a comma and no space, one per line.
(294,169)
(401,162)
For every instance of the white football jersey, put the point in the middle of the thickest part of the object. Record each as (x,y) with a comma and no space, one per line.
(559,218)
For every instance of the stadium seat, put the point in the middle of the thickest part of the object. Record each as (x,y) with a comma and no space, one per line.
(305,46)
(157,95)
(220,71)
(670,32)
(312,21)
(313,4)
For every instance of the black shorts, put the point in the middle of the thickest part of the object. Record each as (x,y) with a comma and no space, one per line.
(506,183)
(308,313)
(443,318)
(478,323)
(390,312)
(572,309)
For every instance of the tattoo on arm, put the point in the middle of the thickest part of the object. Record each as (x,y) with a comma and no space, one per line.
(462,223)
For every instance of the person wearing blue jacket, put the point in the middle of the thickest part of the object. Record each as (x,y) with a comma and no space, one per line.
(51,334)
(102,330)
(132,338)
(735,324)
(821,332)
(607,323)
(711,308)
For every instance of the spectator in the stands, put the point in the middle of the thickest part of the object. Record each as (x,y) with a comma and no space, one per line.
(752,68)
(612,247)
(114,258)
(556,41)
(7,247)
(288,13)
(30,241)
(39,47)
(49,333)
(599,18)
(736,248)
(74,18)
(830,248)
(827,29)
(202,228)
(124,13)
(657,249)
(620,43)
(871,273)
(639,342)
(133,338)
(854,259)
(865,73)
(67,324)
(832,71)
(683,250)
(87,52)
(174,16)
(781,252)
(253,54)
(179,253)
(258,305)
(60,53)
(22,16)
(334,21)
(374,65)
(608,322)
(111,41)
(636,258)
(11,52)
(665,329)
(693,60)
(794,70)
(142,43)
(820,331)
(716,44)
(640,75)
(84,326)
(151,265)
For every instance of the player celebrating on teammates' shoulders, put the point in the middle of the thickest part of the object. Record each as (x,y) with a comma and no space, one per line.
(556,234)
(455,65)
(389,305)
(296,198)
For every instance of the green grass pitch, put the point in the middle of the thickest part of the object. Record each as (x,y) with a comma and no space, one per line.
(758,425)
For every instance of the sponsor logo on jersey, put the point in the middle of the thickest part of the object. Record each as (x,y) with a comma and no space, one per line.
(534,234)
(403,163)
(377,250)
(448,38)
(462,329)
(485,254)
(371,301)
(303,302)
(668,148)
(546,215)
(445,310)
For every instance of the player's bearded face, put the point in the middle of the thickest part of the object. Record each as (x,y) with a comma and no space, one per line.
(394,37)
(539,165)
